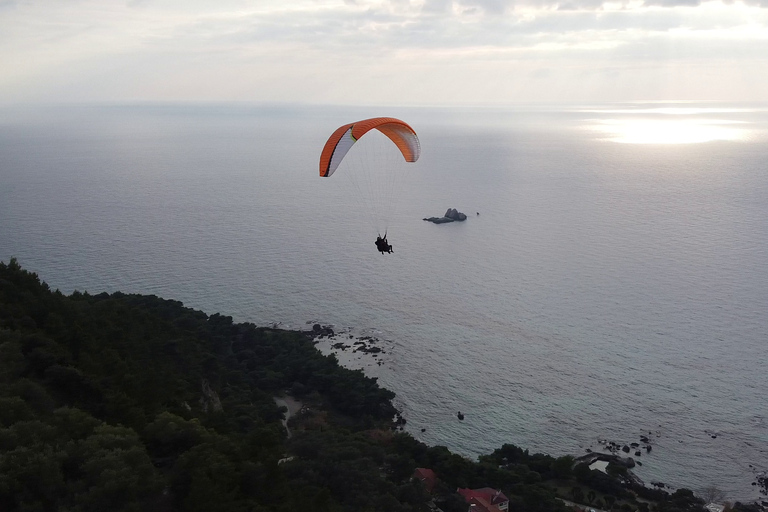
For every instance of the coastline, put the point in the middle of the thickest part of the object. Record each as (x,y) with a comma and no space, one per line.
(237,422)
(343,345)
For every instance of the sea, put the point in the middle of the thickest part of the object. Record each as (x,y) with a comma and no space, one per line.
(610,281)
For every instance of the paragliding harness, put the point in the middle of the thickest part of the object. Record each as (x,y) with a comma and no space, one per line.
(382,245)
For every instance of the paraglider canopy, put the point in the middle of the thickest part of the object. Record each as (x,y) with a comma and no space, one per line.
(342,140)
(372,164)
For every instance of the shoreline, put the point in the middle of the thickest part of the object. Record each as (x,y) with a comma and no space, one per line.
(342,344)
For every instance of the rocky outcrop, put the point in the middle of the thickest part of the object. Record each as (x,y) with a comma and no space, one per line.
(451,215)
(321,331)
(627,462)
(210,400)
(438,220)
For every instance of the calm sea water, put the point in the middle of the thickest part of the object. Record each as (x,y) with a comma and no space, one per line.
(612,285)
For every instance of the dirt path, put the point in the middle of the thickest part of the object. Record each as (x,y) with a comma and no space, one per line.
(293,406)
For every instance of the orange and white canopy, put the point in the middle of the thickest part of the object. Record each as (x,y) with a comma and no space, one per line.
(342,140)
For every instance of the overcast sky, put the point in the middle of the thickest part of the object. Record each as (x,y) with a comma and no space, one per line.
(383,51)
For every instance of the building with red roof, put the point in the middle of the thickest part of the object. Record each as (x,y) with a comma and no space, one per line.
(485,500)
(426,476)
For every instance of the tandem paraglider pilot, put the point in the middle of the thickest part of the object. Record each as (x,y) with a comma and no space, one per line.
(375,170)
(382,245)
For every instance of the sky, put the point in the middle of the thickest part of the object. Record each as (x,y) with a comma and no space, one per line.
(367,52)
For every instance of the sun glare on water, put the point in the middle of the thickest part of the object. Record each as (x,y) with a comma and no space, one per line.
(671,131)
(671,124)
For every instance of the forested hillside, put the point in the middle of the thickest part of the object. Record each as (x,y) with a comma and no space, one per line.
(131,402)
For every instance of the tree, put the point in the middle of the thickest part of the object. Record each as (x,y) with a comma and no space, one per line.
(562,467)
(711,494)
(582,472)
(578,494)
(114,473)
(31,478)
(171,435)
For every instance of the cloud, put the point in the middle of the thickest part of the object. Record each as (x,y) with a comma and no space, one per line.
(337,50)
(437,6)
(489,7)
(672,3)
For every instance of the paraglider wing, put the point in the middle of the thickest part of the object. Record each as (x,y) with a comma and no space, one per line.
(342,140)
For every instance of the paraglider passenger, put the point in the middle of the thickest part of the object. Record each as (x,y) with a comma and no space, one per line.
(382,245)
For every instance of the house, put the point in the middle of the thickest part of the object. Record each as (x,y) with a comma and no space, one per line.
(485,500)
(427,477)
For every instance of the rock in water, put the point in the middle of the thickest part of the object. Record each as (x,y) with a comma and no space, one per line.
(438,220)
(451,215)
(454,214)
